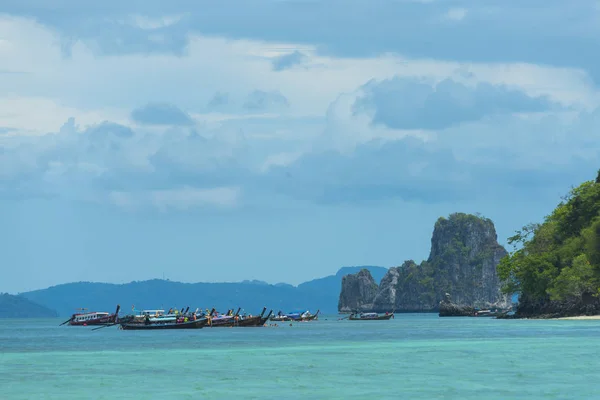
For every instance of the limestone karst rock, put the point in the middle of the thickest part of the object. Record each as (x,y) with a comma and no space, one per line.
(463,259)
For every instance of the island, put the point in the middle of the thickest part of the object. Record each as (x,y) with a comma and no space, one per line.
(555,265)
(462,262)
(20,307)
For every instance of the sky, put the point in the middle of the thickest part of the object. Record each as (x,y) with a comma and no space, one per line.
(280,140)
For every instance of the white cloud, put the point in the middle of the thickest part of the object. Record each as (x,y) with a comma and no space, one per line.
(280,159)
(179,199)
(94,88)
(173,167)
(456,14)
(346,129)
(149,23)
(40,115)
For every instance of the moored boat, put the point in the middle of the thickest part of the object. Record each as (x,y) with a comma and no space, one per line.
(370,316)
(295,316)
(265,319)
(256,320)
(280,317)
(307,316)
(85,318)
(493,312)
(197,324)
(157,316)
(221,320)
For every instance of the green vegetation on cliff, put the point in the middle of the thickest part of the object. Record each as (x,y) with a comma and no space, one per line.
(558,261)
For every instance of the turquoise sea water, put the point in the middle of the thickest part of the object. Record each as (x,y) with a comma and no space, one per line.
(415,356)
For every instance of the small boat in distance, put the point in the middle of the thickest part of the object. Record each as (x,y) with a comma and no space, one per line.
(307,316)
(84,318)
(370,316)
(490,312)
(280,317)
(295,316)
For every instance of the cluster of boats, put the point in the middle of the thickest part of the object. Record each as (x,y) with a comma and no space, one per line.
(182,319)
(370,316)
(186,319)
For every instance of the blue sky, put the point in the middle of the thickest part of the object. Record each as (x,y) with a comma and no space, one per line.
(281,140)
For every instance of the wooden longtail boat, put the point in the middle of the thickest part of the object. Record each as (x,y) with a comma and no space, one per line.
(309,317)
(494,312)
(265,319)
(198,324)
(222,321)
(92,318)
(295,316)
(370,316)
(156,316)
(256,320)
(280,318)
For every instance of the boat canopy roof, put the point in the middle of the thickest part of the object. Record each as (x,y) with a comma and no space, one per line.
(95,313)
(369,314)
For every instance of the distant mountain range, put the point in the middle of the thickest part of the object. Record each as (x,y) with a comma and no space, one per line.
(319,294)
(21,307)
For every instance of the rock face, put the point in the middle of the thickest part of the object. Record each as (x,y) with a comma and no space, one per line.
(449,309)
(463,259)
(358,292)
(546,308)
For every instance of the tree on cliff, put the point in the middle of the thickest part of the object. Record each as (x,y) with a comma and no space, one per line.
(558,260)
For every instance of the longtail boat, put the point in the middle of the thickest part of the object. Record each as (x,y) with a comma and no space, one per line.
(265,319)
(197,324)
(256,320)
(280,317)
(159,316)
(307,316)
(222,320)
(295,316)
(493,312)
(370,316)
(84,318)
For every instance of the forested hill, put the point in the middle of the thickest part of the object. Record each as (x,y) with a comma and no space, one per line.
(252,295)
(20,307)
(556,267)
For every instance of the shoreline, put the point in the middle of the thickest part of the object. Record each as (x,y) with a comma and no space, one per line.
(554,318)
(581,317)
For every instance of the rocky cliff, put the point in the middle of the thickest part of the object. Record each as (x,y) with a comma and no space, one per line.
(463,259)
(358,292)
(449,309)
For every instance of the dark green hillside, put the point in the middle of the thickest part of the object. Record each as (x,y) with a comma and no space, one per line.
(556,268)
(319,294)
(20,307)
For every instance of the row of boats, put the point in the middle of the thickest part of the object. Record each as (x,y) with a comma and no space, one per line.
(186,319)
(181,319)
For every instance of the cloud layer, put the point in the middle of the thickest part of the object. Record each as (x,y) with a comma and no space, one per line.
(401,103)
(206,129)
(161,114)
